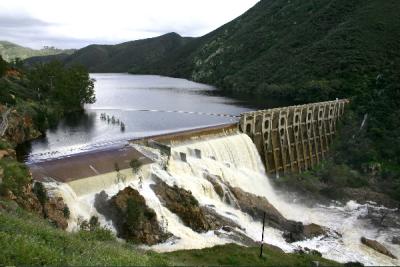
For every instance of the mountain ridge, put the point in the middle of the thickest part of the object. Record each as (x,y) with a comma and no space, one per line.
(11,51)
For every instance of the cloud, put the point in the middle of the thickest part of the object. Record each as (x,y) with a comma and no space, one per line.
(12,22)
(76,23)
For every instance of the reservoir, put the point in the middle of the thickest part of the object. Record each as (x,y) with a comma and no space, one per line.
(146,104)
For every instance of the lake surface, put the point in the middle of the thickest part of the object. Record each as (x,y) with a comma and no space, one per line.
(146,104)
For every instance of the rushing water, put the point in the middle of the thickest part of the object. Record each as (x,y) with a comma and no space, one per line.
(146,104)
(235,159)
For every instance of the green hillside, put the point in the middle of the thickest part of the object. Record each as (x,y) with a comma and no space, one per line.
(287,48)
(123,57)
(10,51)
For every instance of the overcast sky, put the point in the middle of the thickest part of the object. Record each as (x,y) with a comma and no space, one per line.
(77,23)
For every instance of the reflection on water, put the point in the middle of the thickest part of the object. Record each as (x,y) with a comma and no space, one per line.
(125,96)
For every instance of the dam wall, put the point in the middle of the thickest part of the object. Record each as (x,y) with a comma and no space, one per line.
(293,139)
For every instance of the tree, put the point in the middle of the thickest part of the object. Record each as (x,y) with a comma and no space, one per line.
(3,67)
(71,86)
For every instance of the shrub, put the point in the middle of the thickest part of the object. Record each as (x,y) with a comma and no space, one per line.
(40,192)
(66,212)
(3,67)
(16,177)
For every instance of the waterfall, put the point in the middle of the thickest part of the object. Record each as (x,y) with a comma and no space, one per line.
(231,160)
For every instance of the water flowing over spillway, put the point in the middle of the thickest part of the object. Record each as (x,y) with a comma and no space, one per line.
(235,160)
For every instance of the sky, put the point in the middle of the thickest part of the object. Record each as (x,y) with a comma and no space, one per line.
(77,23)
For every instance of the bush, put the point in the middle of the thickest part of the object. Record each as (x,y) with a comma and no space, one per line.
(15,177)
(66,212)
(3,67)
(40,192)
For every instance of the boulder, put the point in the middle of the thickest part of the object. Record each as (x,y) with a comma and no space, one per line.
(217,187)
(255,206)
(377,246)
(135,221)
(396,240)
(182,203)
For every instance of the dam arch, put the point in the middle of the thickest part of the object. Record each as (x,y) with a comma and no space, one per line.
(296,138)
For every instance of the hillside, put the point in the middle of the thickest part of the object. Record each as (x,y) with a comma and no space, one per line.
(279,47)
(10,51)
(122,57)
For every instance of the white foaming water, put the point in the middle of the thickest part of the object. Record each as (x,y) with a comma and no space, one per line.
(235,160)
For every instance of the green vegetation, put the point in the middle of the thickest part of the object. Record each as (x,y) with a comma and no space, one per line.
(28,240)
(69,87)
(40,192)
(10,51)
(14,178)
(3,67)
(234,255)
(45,92)
(122,57)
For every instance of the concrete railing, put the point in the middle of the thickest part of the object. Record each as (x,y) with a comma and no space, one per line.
(295,138)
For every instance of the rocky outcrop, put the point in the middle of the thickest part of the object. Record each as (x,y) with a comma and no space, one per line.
(57,212)
(217,187)
(255,206)
(53,209)
(383,217)
(20,127)
(364,195)
(217,221)
(135,221)
(27,199)
(377,246)
(182,203)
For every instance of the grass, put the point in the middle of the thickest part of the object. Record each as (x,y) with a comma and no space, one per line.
(26,239)
(235,255)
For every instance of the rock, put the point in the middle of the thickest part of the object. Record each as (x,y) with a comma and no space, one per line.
(314,230)
(396,240)
(309,251)
(55,211)
(182,203)
(135,221)
(364,195)
(238,237)
(377,246)
(353,264)
(3,154)
(217,221)
(255,206)
(29,201)
(217,187)
(383,217)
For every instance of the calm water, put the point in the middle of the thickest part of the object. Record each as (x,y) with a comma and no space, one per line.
(130,98)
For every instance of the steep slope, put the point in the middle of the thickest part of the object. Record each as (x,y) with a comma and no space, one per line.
(280,46)
(9,51)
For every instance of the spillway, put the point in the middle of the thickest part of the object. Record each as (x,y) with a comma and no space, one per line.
(233,157)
